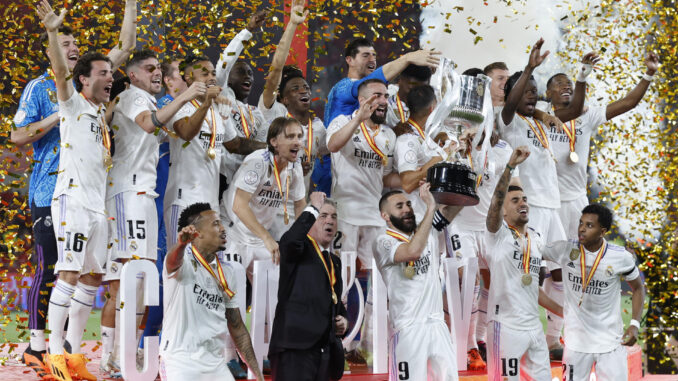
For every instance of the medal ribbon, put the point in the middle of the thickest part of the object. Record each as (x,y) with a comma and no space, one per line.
(330,274)
(243,121)
(213,124)
(279,183)
(105,135)
(220,278)
(416,127)
(538,131)
(372,143)
(401,111)
(479,178)
(582,261)
(526,250)
(399,237)
(309,137)
(571,133)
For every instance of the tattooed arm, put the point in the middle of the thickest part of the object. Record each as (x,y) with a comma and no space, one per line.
(496,212)
(242,340)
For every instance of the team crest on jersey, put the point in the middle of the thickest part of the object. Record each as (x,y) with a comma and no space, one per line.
(251,177)
(20,116)
(258,165)
(69,257)
(139,101)
(411,157)
(48,221)
(51,94)
(114,267)
(133,246)
(387,244)
(609,271)
(458,255)
(410,144)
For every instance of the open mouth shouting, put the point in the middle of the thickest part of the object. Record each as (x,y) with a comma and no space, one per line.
(246,86)
(371,66)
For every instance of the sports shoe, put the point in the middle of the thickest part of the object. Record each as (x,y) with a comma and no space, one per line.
(556,351)
(76,365)
(109,366)
(475,362)
(236,370)
(57,367)
(33,360)
(482,349)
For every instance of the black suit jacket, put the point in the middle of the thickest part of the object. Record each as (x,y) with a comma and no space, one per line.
(303,315)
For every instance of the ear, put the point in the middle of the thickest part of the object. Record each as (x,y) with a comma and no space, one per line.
(349,59)
(603,230)
(385,216)
(548,94)
(274,142)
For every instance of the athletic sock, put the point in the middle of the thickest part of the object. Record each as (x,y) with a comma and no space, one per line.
(481,325)
(471,343)
(59,304)
(81,306)
(38,340)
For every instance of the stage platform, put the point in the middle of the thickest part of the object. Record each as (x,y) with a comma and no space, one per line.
(13,370)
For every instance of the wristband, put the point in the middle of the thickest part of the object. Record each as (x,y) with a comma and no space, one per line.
(648,77)
(155,120)
(634,323)
(586,69)
(439,221)
(510,167)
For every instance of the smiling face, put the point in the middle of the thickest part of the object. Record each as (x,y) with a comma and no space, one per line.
(202,71)
(560,91)
(499,77)
(378,89)
(516,210)
(147,75)
(70,47)
(97,86)
(325,226)
(240,80)
(211,232)
(288,143)
(398,213)
(364,62)
(529,99)
(297,95)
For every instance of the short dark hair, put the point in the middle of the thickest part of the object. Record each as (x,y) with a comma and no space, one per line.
(355,45)
(277,127)
(514,188)
(494,66)
(386,196)
(553,77)
(473,72)
(139,56)
(289,72)
(419,98)
(604,214)
(511,81)
(191,214)
(420,73)
(44,40)
(369,81)
(189,61)
(84,67)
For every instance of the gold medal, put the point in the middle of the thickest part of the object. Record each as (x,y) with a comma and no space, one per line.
(384,161)
(108,161)
(334,297)
(574,157)
(409,272)
(286,218)
(574,254)
(211,153)
(526,279)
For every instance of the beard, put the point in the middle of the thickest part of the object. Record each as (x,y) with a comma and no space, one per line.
(402,225)
(378,119)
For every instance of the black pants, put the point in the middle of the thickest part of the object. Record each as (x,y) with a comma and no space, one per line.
(301,364)
(44,257)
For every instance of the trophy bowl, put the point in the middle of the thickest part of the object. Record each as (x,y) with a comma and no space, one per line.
(453,184)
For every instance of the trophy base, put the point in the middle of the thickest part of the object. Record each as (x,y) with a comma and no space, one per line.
(449,198)
(453,184)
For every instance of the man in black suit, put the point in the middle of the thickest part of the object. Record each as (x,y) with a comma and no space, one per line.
(309,316)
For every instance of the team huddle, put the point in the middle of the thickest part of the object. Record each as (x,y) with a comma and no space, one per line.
(200,181)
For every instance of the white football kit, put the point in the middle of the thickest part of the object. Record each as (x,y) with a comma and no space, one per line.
(421,346)
(594,329)
(397,111)
(357,173)
(411,154)
(80,191)
(516,342)
(194,327)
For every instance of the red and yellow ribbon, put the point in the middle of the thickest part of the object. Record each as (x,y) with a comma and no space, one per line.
(417,127)
(526,249)
(105,135)
(401,109)
(400,237)
(582,261)
(330,273)
(219,277)
(213,125)
(571,133)
(370,141)
(243,121)
(287,186)
(538,131)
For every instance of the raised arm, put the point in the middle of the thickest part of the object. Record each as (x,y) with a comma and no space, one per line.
(339,139)
(422,57)
(57,57)
(495,214)
(411,251)
(128,36)
(293,240)
(175,258)
(297,16)
(536,58)
(576,107)
(162,116)
(187,128)
(242,340)
(632,99)
(230,55)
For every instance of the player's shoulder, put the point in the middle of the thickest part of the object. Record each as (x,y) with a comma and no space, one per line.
(617,250)
(384,242)
(318,123)
(339,121)
(35,87)
(388,131)
(259,156)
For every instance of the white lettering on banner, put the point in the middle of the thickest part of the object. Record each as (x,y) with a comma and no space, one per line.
(128,328)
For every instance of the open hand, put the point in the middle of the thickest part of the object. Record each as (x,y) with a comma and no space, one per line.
(367,108)
(536,58)
(297,12)
(424,57)
(49,19)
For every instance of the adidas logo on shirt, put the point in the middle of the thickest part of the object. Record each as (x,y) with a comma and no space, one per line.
(356,139)
(267,183)
(570,264)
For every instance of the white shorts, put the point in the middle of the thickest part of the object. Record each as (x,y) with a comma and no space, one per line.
(570,213)
(422,352)
(609,366)
(516,355)
(82,237)
(133,229)
(237,251)
(546,221)
(180,368)
(171,216)
(468,244)
(360,239)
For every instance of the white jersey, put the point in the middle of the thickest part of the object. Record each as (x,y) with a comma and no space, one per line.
(358,171)
(136,151)
(395,114)
(572,176)
(193,176)
(411,154)
(256,175)
(411,301)
(253,127)
(538,172)
(510,302)
(473,218)
(82,174)
(194,308)
(596,326)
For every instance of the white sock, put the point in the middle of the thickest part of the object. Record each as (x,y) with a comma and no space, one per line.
(81,306)
(471,343)
(38,340)
(481,325)
(107,339)
(555,323)
(59,304)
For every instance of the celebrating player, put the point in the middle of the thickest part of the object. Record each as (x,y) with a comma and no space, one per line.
(413,76)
